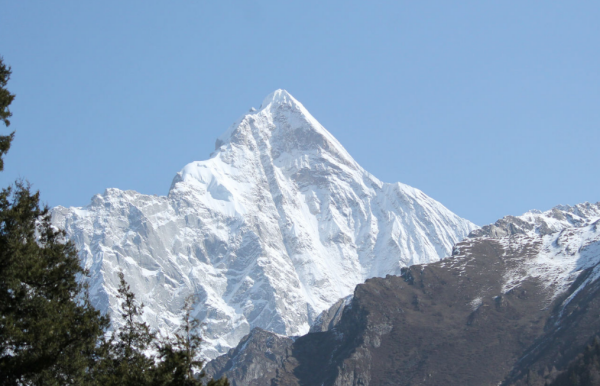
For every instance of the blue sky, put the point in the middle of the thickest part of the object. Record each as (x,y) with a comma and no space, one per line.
(490,107)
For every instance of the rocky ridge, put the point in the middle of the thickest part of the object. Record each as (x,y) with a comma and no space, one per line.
(536,222)
(514,305)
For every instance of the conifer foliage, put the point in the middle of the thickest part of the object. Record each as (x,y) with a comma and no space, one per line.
(584,370)
(48,328)
(6,99)
(123,359)
(179,355)
(50,334)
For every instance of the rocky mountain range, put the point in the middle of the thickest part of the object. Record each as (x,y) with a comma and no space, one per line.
(307,270)
(515,304)
(272,230)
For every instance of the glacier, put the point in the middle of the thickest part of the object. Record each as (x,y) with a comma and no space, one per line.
(274,228)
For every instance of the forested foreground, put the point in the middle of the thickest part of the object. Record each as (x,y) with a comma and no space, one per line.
(49,332)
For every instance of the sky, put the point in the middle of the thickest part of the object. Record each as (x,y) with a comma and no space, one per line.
(490,107)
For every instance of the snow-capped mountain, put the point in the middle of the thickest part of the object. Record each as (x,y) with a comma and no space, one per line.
(536,222)
(560,243)
(274,228)
(516,303)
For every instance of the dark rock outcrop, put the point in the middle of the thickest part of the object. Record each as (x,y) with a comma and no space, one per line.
(329,318)
(257,358)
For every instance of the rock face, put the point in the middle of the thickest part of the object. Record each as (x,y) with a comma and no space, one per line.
(510,310)
(259,356)
(329,318)
(269,232)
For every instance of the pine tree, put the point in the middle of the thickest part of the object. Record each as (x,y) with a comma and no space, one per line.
(124,359)
(48,328)
(6,99)
(219,382)
(180,365)
(179,355)
(584,369)
(50,334)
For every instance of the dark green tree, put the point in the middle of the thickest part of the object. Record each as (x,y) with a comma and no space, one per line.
(48,328)
(179,355)
(6,99)
(218,382)
(180,364)
(124,358)
(49,332)
(584,370)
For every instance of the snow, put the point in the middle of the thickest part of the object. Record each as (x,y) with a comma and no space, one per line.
(567,242)
(276,226)
(476,303)
(563,256)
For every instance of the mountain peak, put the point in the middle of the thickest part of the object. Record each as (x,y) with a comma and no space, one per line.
(279,97)
(270,231)
(282,125)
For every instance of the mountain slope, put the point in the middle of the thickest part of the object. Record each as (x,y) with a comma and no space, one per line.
(275,227)
(510,310)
